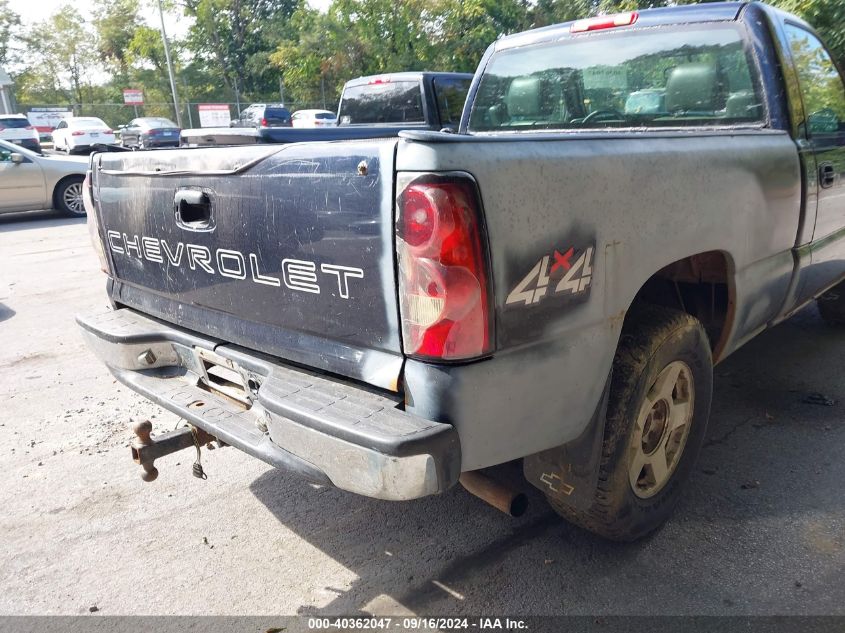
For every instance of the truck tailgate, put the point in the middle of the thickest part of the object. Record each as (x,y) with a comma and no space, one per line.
(288,251)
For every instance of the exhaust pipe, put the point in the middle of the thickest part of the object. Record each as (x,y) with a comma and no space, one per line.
(497,494)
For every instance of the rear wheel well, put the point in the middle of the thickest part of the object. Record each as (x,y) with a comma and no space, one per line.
(57,188)
(700,285)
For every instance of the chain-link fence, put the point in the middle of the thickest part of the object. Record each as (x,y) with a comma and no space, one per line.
(116,114)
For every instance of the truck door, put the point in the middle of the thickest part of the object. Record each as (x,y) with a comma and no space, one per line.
(823,96)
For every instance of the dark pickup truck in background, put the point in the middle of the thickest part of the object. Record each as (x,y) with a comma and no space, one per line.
(370,107)
(628,200)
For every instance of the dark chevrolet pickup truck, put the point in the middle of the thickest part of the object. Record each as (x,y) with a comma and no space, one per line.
(379,106)
(628,200)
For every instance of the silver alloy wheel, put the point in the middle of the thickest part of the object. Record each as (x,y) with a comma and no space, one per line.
(72,198)
(662,428)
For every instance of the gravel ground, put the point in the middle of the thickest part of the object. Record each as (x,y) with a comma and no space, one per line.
(761,529)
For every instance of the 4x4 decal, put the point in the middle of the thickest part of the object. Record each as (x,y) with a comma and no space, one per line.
(565,275)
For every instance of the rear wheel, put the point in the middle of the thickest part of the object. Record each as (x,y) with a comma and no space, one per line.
(656,420)
(832,305)
(68,197)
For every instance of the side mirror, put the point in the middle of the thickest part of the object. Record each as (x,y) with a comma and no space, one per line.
(823,121)
(16,158)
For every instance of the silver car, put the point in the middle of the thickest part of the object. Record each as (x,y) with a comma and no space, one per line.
(31,181)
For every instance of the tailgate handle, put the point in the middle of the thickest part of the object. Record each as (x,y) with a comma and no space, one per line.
(193,209)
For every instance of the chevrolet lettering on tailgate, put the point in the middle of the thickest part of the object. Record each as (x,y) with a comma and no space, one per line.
(297,274)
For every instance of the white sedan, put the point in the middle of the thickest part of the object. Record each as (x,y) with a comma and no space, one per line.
(81,133)
(313,118)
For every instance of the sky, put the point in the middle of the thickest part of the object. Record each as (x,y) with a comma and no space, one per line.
(32,11)
(36,10)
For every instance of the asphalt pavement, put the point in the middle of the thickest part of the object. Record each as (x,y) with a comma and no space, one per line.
(760,530)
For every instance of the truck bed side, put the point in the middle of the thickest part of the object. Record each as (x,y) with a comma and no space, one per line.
(641,202)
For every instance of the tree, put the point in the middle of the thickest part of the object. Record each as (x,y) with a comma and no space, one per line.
(60,55)
(9,24)
(145,55)
(315,59)
(116,22)
(393,35)
(234,37)
(827,17)
(470,26)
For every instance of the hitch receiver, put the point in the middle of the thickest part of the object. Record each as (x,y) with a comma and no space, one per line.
(146,449)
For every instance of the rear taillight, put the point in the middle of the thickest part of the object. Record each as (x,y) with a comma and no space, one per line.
(77,133)
(108,132)
(264,122)
(93,222)
(29,127)
(444,282)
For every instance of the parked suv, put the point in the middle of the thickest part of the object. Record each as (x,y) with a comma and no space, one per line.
(263,115)
(17,129)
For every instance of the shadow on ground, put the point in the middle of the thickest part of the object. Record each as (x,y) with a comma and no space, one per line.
(760,529)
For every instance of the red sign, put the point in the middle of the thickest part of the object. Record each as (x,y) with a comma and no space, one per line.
(133,97)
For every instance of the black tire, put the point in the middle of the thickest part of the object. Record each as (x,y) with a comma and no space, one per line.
(61,198)
(653,339)
(832,305)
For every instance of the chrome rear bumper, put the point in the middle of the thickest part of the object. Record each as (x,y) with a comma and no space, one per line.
(329,431)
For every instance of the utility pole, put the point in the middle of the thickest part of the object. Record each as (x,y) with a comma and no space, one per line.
(237,95)
(188,102)
(281,90)
(169,67)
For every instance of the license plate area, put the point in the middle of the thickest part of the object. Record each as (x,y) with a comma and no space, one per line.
(223,376)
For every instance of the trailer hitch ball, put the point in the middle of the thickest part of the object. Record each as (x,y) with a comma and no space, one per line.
(142,440)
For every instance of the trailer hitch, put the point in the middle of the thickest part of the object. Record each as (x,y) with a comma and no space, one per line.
(146,449)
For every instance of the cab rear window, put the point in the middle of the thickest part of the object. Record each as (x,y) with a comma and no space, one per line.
(388,102)
(451,94)
(647,78)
